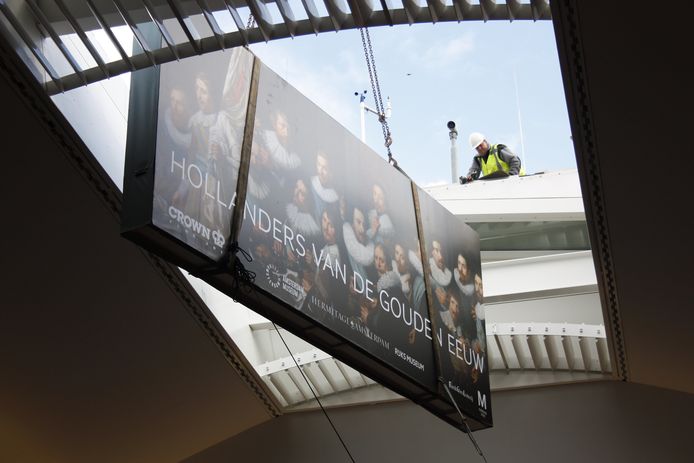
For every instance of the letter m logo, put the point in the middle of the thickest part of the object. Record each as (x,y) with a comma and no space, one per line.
(481,400)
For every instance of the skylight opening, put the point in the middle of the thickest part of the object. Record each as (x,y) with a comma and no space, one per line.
(496,78)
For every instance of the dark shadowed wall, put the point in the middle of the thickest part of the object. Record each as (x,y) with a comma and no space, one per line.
(598,422)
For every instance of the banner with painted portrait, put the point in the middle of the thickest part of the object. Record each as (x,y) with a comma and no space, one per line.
(340,251)
(454,275)
(332,231)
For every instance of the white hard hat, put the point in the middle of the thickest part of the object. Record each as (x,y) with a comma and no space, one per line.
(476,139)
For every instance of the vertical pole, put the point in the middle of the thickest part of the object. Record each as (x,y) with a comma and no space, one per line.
(453,135)
(520,123)
(362,113)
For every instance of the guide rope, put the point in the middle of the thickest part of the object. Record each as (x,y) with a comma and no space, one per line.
(230,262)
(244,277)
(467,426)
(315,396)
(376,90)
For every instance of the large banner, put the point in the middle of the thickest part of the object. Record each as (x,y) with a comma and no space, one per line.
(332,230)
(454,274)
(342,249)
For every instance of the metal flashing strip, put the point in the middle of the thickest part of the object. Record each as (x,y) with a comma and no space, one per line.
(561,352)
(566,24)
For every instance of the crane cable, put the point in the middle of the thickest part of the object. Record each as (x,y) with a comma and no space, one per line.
(251,21)
(376,89)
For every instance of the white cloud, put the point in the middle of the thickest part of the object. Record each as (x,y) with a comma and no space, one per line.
(422,53)
(324,84)
(439,56)
(456,48)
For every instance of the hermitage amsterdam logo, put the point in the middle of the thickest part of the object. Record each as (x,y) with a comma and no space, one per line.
(273,276)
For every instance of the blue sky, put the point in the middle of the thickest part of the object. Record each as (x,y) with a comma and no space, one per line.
(458,71)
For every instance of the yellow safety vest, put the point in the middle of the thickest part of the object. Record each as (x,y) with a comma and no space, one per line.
(494,163)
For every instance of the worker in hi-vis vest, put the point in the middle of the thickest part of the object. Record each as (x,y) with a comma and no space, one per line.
(490,159)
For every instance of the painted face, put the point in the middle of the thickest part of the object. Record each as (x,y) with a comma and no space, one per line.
(400,259)
(380,260)
(300,192)
(437,254)
(233,95)
(202,95)
(479,289)
(281,127)
(462,268)
(328,229)
(441,296)
(177,103)
(358,226)
(454,307)
(379,198)
(261,157)
(323,169)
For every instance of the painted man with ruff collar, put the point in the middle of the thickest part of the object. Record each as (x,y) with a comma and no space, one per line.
(299,213)
(360,249)
(215,150)
(302,224)
(376,318)
(323,193)
(463,280)
(330,254)
(331,261)
(271,160)
(412,285)
(381,229)
(440,276)
(276,141)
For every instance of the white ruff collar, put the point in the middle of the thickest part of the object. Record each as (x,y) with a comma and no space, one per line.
(467,288)
(179,137)
(385,228)
(363,254)
(479,310)
(441,277)
(404,277)
(303,222)
(330,250)
(416,262)
(328,195)
(279,153)
(202,119)
(257,189)
(388,280)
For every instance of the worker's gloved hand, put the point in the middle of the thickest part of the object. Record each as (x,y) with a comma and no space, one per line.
(464,180)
